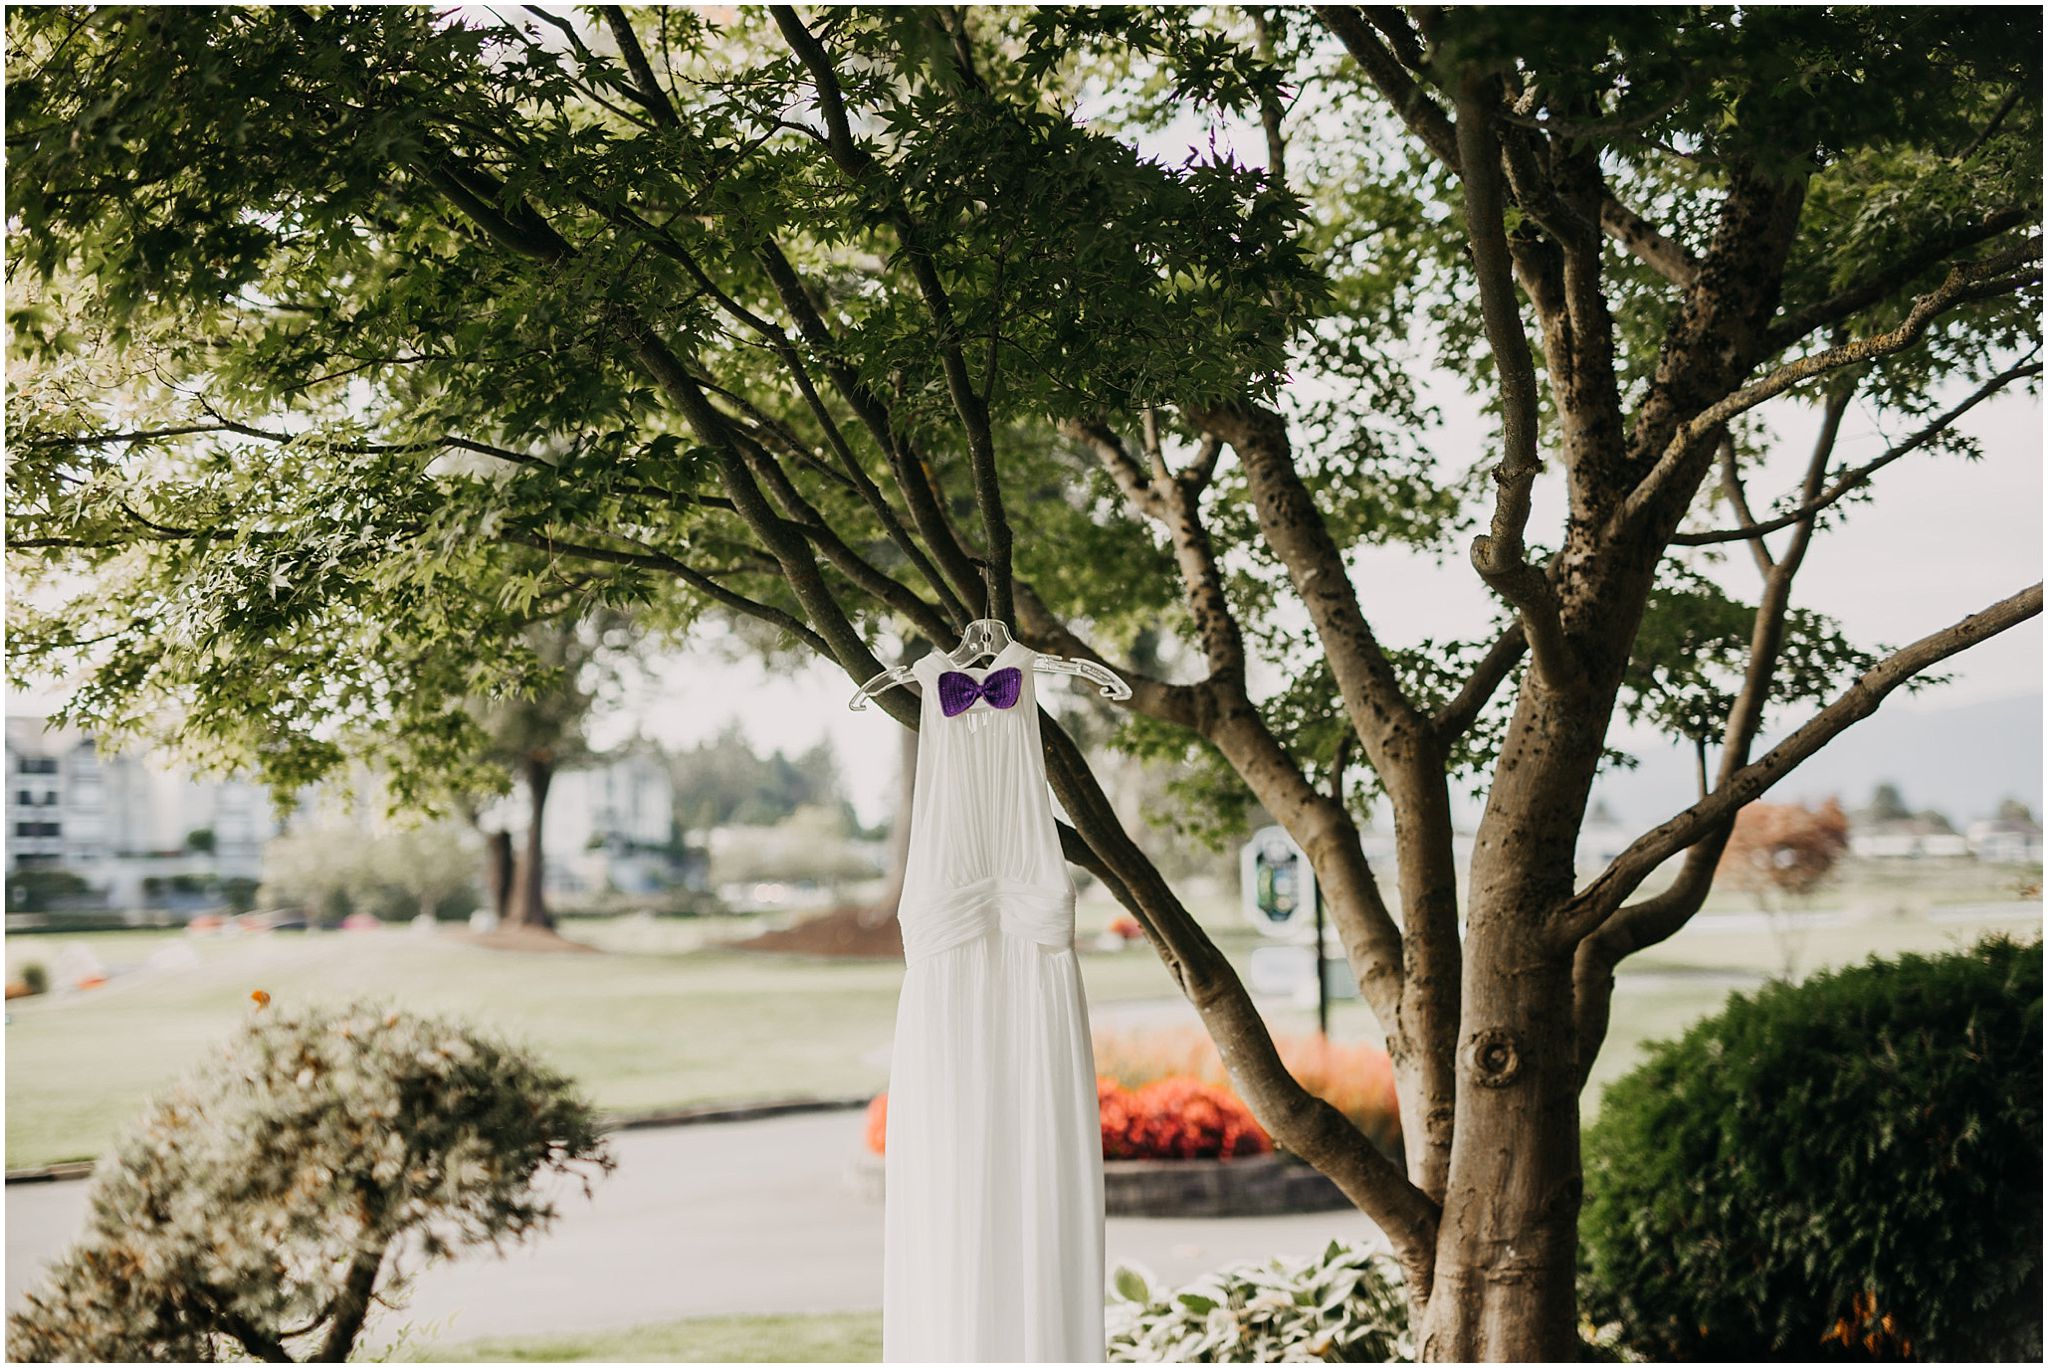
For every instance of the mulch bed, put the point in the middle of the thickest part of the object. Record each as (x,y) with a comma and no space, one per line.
(843,932)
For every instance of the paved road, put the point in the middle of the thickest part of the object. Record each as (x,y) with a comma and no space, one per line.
(754,1216)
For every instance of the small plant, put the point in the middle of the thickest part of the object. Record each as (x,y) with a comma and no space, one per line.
(259,1208)
(35,978)
(1345,1306)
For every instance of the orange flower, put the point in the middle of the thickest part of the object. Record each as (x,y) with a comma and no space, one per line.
(260,998)
(878,1122)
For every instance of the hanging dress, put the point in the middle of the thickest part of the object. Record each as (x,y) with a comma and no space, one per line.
(993,1239)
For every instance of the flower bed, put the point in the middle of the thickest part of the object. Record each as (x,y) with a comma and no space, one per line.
(1176,1141)
(1354,1077)
(1169,1118)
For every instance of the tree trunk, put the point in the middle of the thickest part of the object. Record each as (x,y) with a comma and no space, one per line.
(1507,1251)
(498,872)
(529,901)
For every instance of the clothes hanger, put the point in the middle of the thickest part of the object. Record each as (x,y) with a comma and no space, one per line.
(990,637)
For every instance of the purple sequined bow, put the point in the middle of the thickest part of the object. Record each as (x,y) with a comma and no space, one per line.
(958,691)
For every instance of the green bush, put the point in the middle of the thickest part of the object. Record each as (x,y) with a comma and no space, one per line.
(1849,1167)
(35,978)
(40,890)
(263,1206)
(1347,1306)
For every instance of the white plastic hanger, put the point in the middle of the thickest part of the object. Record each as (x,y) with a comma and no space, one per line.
(989,637)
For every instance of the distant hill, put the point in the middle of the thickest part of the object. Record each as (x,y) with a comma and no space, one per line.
(1960,760)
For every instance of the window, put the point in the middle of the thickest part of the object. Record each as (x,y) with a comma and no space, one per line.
(25,797)
(38,829)
(38,764)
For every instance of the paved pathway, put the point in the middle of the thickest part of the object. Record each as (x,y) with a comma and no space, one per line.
(752,1216)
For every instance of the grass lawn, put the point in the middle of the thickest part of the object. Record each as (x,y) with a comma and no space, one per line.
(844,1337)
(671,1016)
(668,1017)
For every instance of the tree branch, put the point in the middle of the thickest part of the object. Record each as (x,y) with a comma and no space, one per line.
(1456,717)
(861,168)
(1423,116)
(696,579)
(1598,900)
(651,96)
(1664,255)
(1973,280)
(1893,277)
(1498,556)
(1849,481)
(1638,925)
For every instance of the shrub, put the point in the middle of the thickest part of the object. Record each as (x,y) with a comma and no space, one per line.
(257,1206)
(35,978)
(1355,1078)
(1848,1167)
(1345,1306)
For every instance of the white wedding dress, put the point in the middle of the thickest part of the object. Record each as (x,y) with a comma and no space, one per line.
(993,1240)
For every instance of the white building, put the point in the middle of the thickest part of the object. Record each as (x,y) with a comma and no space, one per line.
(118,819)
(2002,841)
(1907,838)
(607,826)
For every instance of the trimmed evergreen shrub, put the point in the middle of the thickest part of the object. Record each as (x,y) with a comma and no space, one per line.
(1848,1167)
(262,1207)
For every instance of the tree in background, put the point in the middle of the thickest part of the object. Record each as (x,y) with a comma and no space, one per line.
(2013,810)
(846,323)
(432,864)
(725,782)
(420,869)
(1887,804)
(536,731)
(1782,852)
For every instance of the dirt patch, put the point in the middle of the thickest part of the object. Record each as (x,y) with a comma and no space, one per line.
(530,938)
(842,931)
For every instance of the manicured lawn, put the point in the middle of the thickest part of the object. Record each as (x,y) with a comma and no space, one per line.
(670,1015)
(849,1337)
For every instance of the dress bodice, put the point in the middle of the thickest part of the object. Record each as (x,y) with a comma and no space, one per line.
(984,850)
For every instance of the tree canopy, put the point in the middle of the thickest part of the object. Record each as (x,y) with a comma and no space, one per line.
(351,340)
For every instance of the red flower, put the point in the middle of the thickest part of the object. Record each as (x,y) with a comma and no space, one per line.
(1176,1118)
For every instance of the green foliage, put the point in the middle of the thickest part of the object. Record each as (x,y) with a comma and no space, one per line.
(38,890)
(724,782)
(36,978)
(329,398)
(1346,1305)
(1848,1167)
(810,844)
(258,1205)
(333,871)
(1693,646)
